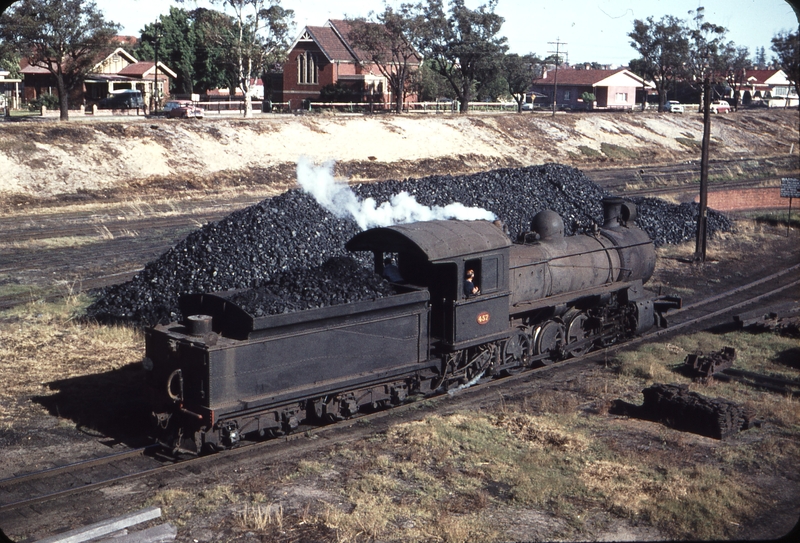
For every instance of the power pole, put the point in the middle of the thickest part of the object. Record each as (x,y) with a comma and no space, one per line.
(155,71)
(558,43)
(702,217)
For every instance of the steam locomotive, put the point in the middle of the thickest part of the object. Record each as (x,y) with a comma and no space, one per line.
(223,374)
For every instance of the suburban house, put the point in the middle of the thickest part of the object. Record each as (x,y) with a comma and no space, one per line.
(322,56)
(771,88)
(612,89)
(9,90)
(116,71)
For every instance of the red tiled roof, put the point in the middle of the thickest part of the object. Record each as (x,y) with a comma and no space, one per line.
(137,68)
(344,28)
(330,43)
(760,76)
(577,77)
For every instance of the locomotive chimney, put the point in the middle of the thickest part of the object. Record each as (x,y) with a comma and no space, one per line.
(199,325)
(612,212)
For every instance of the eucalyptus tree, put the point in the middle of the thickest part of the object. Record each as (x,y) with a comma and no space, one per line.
(462,44)
(258,38)
(65,37)
(736,61)
(664,49)
(173,41)
(386,41)
(518,72)
(787,46)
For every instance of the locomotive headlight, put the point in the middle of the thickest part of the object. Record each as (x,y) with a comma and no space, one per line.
(147,364)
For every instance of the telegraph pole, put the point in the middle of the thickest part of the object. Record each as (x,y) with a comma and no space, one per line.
(702,217)
(558,43)
(155,71)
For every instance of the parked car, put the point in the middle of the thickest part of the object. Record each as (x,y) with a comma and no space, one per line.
(122,99)
(673,106)
(720,106)
(182,109)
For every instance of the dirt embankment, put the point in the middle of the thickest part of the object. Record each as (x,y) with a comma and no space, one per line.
(51,159)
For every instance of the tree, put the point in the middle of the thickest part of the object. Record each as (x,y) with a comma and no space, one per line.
(736,61)
(215,60)
(707,62)
(760,59)
(664,48)
(388,45)
(518,72)
(787,46)
(67,38)
(174,35)
(462,45)
(429,84)
(258,39)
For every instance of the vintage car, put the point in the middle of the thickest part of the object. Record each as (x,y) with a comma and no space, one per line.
(182,109)
(720,106)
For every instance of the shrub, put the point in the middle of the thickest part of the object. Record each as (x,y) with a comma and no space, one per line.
(47,100)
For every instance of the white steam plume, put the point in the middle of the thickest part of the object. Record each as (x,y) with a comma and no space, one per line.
(340,200)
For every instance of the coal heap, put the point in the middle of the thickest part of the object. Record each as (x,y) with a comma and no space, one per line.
(289,235)
(339,280)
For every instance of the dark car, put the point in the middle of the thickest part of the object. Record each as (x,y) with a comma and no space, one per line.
(124,99)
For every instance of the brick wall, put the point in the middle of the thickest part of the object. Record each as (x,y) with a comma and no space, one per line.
(740,200)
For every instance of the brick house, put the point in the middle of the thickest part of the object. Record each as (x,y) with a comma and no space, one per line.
(116,71)
(613,89)
(322,56)
(771,88)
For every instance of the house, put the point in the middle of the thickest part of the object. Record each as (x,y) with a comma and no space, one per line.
(116,71)
(9,90)
(771,88)
(612,89)
(323,56)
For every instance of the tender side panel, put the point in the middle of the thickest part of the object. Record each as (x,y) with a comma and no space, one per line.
(317,354)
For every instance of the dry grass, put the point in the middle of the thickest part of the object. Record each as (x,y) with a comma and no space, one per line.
(41,343)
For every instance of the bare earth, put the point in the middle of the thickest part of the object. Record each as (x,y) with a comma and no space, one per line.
(46,159)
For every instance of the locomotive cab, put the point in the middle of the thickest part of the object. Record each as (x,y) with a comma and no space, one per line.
(435,255)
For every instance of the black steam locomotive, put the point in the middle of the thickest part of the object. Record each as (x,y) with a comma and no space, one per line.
(224,374)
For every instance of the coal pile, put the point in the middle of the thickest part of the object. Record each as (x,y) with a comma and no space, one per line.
(669,223)
(340,280)
(291,233)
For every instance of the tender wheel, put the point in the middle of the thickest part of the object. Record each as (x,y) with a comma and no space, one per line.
(576,332)
(549,338)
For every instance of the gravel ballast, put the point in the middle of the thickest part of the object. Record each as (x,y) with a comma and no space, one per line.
(282,244)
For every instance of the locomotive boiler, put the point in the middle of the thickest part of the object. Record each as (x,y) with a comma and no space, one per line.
(223,373)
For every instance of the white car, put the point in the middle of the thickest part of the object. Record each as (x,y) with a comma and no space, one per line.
(720,106)
(673,106)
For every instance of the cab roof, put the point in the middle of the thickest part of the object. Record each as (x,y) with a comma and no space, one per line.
(437,240)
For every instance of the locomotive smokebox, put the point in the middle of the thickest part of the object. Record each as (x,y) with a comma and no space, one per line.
(199,325)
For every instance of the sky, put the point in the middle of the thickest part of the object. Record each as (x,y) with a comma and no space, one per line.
(588,30)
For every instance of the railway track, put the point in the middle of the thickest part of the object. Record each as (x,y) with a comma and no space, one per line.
(93,249)
(20,495)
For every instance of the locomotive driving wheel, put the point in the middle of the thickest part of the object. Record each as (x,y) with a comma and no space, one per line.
(516,352)
(576,332)
(548,339)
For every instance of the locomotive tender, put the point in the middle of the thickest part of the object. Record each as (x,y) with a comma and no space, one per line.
(224,374)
